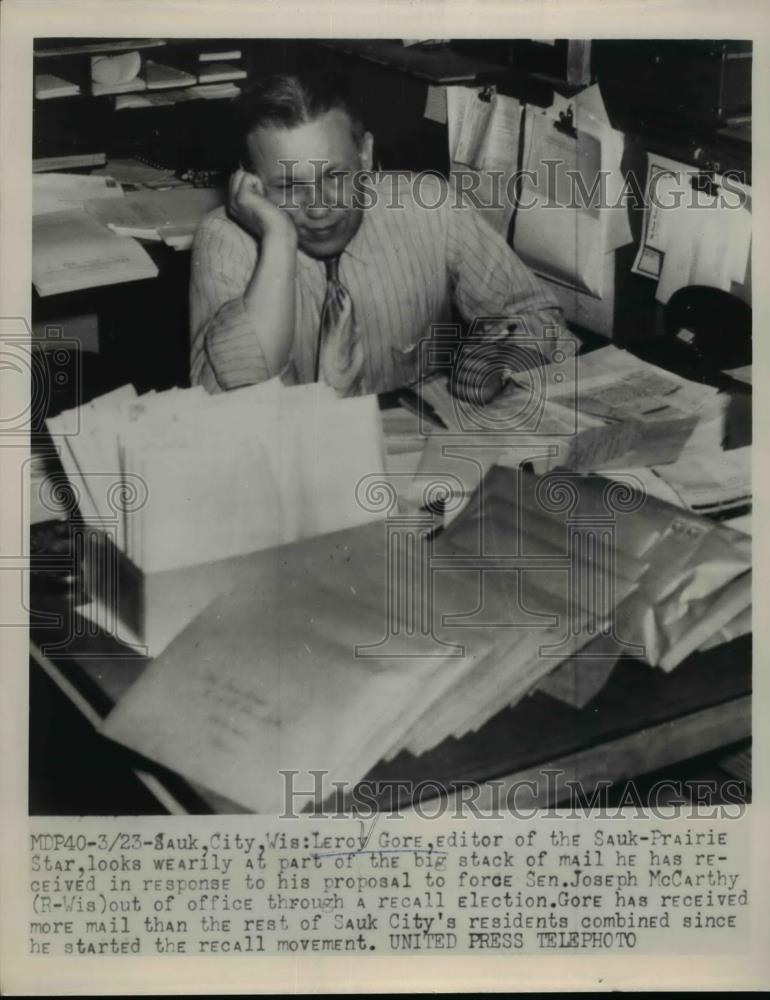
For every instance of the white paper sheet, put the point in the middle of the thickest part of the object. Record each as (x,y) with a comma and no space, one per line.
(693,237)
(484,139)
(226,474)
(58,192)
(147,214)
(563,230)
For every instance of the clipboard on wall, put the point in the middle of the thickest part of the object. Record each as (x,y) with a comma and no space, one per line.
(484,133)
(564,227)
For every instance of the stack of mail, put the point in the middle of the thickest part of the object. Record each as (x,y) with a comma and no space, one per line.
(207,477)
(180,480)
(596,412)
(339,650)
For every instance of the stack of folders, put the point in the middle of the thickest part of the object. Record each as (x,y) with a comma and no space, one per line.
(177,485)
(336,652)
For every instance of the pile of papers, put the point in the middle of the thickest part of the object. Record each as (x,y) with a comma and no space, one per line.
(268,677)
(83,224)
(210,477)
(603,410)
(55,192)
(71,250)
(78,219)
(171,216)
(320,658)
(309,629)
(317,659)
(179,487)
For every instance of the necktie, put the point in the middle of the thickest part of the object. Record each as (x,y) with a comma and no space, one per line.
(339,354)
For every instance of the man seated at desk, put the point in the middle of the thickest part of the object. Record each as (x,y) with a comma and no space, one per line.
(343,280)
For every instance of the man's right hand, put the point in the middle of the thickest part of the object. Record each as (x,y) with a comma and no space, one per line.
(250,208)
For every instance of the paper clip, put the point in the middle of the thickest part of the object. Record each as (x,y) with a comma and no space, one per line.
(487,93)
(705,181)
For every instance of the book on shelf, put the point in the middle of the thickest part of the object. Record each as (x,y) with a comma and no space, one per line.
(216,91)
(48,85)
(160,76)
(124,87)
(216,55)
(196,61)
(218,72)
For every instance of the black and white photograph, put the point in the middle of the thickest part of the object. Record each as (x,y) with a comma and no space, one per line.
(327,296)
(386,466)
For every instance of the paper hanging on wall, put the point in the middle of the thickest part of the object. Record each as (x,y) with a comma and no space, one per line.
(694,234)
(436,105)
(484,140)
(570,213)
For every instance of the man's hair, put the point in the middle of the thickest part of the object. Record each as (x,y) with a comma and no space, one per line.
(286,100)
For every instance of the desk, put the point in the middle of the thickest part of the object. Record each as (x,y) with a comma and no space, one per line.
(143,325)
(643,720)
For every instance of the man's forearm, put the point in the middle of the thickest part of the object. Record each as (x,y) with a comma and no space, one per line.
(269,298)
(249,337)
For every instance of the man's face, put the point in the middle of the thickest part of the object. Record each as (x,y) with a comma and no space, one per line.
(308,171)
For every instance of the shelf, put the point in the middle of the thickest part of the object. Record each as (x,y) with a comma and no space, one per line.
(437,65)
(96,48)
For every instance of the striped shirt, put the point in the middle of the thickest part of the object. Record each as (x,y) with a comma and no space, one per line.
(404,268)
